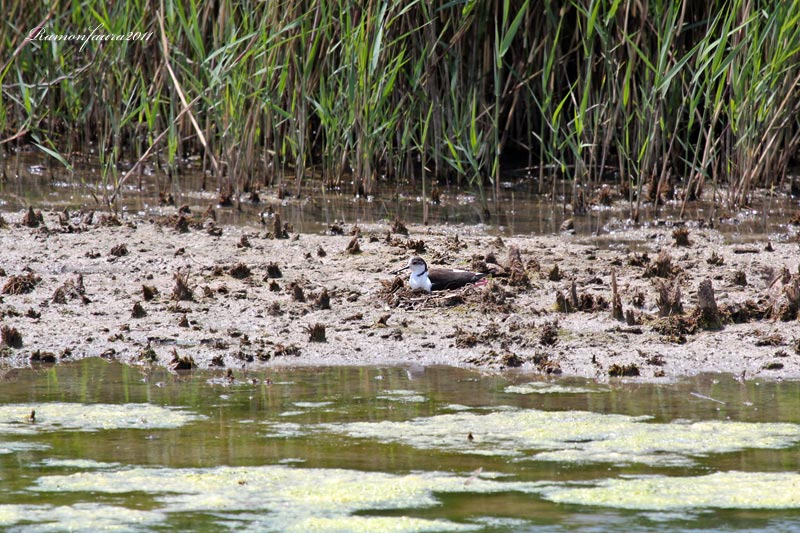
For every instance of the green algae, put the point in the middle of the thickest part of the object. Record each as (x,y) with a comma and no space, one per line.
(294,498)
(575,436)
(13,447)
(81,517)
(285,430)
(456,407)
(244,428)
(279,498)
(347,524)
(60,416)
(402,395)
(541,387)
(368,524)
(292,413)
(721,490)
(312,405)
(76,463)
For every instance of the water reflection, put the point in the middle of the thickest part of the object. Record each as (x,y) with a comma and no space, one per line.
(520,209)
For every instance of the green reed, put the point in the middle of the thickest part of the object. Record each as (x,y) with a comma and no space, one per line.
(665,97)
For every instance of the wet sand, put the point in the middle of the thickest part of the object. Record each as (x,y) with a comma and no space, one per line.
(74,287)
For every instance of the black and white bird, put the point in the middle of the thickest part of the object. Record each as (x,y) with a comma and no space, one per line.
(437,279)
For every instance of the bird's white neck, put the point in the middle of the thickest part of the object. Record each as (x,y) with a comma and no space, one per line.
(420,281)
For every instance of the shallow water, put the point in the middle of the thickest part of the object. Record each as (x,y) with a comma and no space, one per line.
(387,449)
(523,209)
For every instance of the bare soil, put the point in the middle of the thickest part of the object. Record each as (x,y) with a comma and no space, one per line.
(182,292)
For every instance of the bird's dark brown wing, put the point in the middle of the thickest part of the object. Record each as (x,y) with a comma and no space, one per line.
(443,279)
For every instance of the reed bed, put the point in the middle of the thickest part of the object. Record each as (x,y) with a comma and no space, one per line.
(665,98)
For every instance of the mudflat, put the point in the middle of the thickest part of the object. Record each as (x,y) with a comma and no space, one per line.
(183,292)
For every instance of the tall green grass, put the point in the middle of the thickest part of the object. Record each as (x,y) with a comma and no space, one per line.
(665,97)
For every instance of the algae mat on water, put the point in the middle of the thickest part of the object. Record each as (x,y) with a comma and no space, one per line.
(722,490)
(60,416)
(280,498)
(574,436)
(385,449)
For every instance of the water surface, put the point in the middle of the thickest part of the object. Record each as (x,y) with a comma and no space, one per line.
(522,207)
(402,449)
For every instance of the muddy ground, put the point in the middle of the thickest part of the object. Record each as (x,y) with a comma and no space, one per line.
(76,285)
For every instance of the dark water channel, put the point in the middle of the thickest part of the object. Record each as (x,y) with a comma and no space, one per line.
(392,449)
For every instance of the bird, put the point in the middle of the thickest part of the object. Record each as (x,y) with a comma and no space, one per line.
(437,279)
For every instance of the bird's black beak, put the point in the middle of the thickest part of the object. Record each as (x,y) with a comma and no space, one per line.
(399,270)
